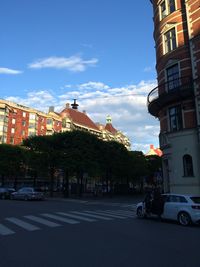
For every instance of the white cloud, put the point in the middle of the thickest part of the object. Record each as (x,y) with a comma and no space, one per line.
(40,100)
(73,63)
(94,86)
(9,71)
(127,106)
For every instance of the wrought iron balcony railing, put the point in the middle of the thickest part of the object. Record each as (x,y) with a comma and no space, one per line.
(169,92)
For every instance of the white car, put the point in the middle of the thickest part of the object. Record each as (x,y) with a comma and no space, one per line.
(182,208)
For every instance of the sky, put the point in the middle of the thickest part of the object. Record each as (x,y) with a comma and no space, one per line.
(100,52)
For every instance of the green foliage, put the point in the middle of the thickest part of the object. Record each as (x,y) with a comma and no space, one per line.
(76,153)
(12,161)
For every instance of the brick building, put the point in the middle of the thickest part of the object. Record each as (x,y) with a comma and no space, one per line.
(18,122)
(176,100)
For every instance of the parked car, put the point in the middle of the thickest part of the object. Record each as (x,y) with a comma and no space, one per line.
(27,193)
(182,208)
(5,192)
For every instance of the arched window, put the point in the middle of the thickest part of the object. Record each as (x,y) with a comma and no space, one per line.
(188,165)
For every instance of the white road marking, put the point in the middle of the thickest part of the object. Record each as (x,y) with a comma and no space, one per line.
(120,213)
(92,215)
(42,221)
(5,231)
(58,218)
(108,214)
(22,224)
(76,217)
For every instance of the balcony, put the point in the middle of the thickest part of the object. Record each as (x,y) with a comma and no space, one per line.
(170,92)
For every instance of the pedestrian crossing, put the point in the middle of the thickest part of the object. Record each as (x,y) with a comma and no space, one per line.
(112,204)
(31,223)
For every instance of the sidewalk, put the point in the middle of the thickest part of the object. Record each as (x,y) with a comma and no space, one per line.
(113,199)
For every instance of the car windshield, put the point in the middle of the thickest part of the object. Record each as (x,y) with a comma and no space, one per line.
(196,200)
(2,190)
(26,190)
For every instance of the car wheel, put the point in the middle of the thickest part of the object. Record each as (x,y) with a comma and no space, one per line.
(3,197)
(140,213)
(184,218)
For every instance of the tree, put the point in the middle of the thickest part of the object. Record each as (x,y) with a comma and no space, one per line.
(45,147)
(79,155)
(12,162)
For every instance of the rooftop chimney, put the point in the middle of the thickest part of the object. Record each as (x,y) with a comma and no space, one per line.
(151,146)
(67,105)
(74,105)
(51,109)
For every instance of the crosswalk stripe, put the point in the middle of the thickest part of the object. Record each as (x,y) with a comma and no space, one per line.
(120,213)
(129,205)
(5,231)
(22,224)
(108,214)
(123,211)
(58,218)
(76,217)
(92,215)
(42,221)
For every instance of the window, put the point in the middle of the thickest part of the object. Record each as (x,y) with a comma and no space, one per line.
(170,40)
(23,114)
(171,6)
(64,123)
(23,132)
(188,165)
(32,116)
(49,121)
(31,126)
(163,10)
(173,77)
(12,130)
(23,123)
(31,133)
(174,198)
(2,117)
(12,140)
(196,199)
(166,8)
(13,121)
(175,118)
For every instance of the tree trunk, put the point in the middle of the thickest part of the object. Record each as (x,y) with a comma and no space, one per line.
(51,181)
(79,183)
(66,185)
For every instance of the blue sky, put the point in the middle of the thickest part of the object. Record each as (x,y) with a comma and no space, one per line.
(98,51)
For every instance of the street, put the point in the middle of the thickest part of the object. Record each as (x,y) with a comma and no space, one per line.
(91,233)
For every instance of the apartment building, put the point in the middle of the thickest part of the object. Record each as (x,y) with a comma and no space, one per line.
(176,99)
(18,122)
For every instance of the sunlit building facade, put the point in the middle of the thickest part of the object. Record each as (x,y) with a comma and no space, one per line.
(176,100)
(18,122)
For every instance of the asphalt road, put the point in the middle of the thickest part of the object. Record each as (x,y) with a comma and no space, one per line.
(100,233)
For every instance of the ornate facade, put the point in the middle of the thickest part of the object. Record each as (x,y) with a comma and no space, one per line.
(176,100)
(18,122)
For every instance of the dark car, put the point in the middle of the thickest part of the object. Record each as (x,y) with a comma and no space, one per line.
(5,192)
(27,193)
